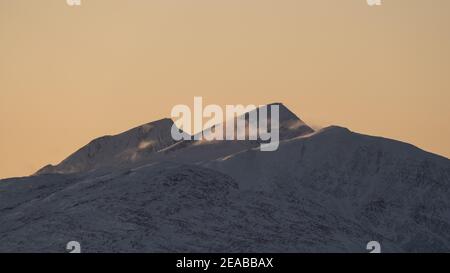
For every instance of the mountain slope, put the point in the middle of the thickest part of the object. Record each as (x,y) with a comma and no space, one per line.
(200,210)
(328,191)
(153,142)
(388,186)
(127,147)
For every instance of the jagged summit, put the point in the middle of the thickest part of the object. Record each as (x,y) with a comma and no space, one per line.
(290,124)
(330,191)
(285,113)
(128,146)
(142,142)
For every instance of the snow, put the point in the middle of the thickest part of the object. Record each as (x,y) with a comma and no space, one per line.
(327,191)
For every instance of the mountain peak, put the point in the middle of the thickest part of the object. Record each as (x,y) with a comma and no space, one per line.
(290,124)
(129,146)
(142,142)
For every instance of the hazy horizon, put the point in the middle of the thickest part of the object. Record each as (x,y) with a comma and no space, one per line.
(72,74)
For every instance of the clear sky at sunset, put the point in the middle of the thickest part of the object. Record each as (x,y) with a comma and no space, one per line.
(71,74)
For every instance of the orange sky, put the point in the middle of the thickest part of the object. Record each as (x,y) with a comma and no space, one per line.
(70,74)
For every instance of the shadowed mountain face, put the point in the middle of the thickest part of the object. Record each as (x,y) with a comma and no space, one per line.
(326,191)
(130,146)
(150,140)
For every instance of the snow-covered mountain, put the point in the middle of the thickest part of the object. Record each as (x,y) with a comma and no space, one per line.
(130,146)
(332,190)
